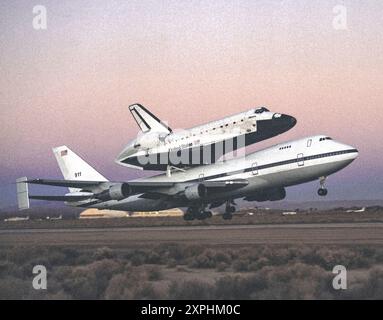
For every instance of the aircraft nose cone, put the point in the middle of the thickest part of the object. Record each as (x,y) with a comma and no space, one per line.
(284,121)
(354,154)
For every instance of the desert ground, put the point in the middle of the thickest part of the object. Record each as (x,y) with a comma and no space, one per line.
(258,256)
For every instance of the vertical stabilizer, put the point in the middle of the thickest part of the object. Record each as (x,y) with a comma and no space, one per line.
(146,120)
(74,168)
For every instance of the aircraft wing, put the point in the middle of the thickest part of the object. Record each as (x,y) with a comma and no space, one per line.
(149,189)
(90,184)
(61,198)
(138,185)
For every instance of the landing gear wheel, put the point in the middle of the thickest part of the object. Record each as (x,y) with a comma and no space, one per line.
(201,215)
(227,216)
(208,214)
(188,217)
(190,214)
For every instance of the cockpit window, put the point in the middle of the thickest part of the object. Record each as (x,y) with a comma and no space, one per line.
(260,110)
(325,138)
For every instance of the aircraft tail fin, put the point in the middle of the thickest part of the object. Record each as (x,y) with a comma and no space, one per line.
(146,120)
(74,168)
(22,193)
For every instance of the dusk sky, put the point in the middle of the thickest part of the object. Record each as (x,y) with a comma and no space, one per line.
(189,62)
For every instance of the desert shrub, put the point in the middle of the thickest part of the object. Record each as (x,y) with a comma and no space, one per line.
(222,266)
(9,268)
(230,287)
(259,264)
(103,253)
(154,258)
(136,257)
(119,288)
(294,281)
(14,288)
(180,253)
(56,258)
(71,255)
(209,258)
(279,256)
(172,263)
(81,286)
(154,273)
(191,289)
(241,265)
(146,291)
(90,281)
(182,269)
(369,286)
(21,255)
(59,295)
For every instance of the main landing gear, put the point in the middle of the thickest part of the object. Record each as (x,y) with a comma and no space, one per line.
(197,213)
(229,210)
(322,191)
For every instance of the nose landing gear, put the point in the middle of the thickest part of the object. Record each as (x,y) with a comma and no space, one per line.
(322,191)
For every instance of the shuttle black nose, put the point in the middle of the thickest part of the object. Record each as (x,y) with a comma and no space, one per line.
(284,122)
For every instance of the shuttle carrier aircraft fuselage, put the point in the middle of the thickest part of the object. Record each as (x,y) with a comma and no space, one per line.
(259,176)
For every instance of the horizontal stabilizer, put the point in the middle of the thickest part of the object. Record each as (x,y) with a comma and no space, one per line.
(66,183)
(60,198)
(22,193)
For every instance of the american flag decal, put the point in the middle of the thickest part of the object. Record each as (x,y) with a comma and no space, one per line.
(64,153)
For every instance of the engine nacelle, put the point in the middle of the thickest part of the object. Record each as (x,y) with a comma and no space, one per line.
(116,192)
(268,195)
(195,192)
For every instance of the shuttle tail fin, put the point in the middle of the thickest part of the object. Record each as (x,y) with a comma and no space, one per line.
(146,120)
(74,168)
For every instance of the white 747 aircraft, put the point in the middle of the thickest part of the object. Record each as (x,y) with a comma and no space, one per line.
(259,176)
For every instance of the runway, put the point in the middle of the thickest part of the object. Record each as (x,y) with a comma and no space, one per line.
(323,233)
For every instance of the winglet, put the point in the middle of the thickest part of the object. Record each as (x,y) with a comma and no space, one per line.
(22,193)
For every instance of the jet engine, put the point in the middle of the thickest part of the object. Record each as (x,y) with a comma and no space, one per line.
(195,192)
(274,194)
(115,192)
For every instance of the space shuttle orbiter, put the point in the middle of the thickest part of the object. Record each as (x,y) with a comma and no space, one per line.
(157,147)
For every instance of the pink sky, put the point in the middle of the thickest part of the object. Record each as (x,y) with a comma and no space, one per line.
(189,62)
